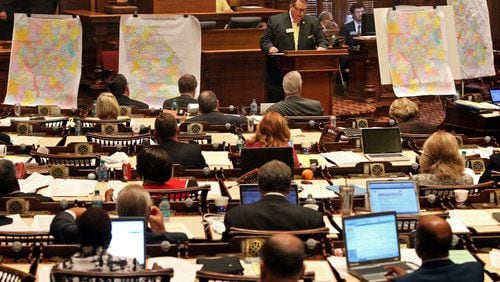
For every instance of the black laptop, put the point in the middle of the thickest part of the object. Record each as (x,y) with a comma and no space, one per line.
(382,144)
(252,158)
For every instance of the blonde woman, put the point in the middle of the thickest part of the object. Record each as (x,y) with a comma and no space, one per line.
(272,131)
(107,106)
(441,162)
(406,113)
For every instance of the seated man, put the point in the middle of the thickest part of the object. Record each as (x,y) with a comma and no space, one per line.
(273,211)
(294,104)
(406,113)
(134,201)
(432,242)
(187,88)
(9,185)
(282,259)
(119,87)
(94,235)
(187,155)
(154,165)
(209,107)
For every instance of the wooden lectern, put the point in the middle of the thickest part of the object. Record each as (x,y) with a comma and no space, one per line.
(317,69)
(176,6)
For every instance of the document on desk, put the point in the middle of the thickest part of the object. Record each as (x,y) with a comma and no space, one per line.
(322,271)
(484,153)
(184,270)
(217,159)
(344,158)
(34,182)
(318,191)
(495,258)
(17,225)
(71,187)
(178,227)
(41,222)
(473,218)
(214,189)
(340,264)
(224,137)
(26,140)
(457,226)
(306,159)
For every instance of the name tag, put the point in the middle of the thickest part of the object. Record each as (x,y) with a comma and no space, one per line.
(289,30)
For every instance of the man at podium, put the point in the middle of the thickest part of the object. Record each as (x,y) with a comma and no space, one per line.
(289,31)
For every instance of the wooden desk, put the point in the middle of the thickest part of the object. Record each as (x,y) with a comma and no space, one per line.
(471,123)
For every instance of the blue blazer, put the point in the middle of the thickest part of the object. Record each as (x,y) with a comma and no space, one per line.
(445,270)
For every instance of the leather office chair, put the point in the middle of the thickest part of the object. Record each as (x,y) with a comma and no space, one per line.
(206,276)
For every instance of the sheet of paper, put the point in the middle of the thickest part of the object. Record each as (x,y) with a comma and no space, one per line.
(411,256)
(457,226)
(340,264)
(495,258)
(344,158)
(34,181)
(305,160)
(26,140)
(484,153)
(318,191)
(214,189)
(17,224)
(72,187)
(41,222)
(461,256)
(184,270)
(331,229)
(224,137)
(474,217)
(321,269)
(178,227)
(7,121)
(217,159)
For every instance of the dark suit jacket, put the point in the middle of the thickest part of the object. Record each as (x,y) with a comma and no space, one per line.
(310,36)
(347,31)
(297,106)
(5,139)
(219,118)
(272,212)
(65,231)
(493,164)
(188,155)
(445,270)
(182,101)
(126,101)
(416,126)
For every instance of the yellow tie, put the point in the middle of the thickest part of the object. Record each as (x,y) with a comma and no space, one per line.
(296,30)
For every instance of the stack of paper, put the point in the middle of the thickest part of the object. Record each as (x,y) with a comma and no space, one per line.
(34,182)
(344,158)
(217,159)
(71,187)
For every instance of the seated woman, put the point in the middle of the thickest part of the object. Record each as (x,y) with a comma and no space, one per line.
(9,186)
(107,106)
(133,200)
(406,113)
(272,131)
(154,165)
(441,162)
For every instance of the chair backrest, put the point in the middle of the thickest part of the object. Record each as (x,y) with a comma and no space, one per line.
(25,238)
(124,140)
(206,276)
(11,274)
(65,275)
(308,122)
(80,161)
(197,196)
(447,190)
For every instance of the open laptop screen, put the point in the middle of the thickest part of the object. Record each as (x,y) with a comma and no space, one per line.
(370,238)
(398,196)
(495,95)
(129,238)
(249,193)
(381,140)
(252,158)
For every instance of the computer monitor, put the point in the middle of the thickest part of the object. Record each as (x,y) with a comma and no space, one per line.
(381,140)
(250,193)
(367,24)
(244,22)
(128,238)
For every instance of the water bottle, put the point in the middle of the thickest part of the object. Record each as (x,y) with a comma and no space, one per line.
(78,126)
(97,200)
(174,105)
(240,143)
(165,208)
(102,172)
(310,200)
(253,107)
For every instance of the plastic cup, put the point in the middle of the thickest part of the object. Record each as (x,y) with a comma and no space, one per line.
(346,200)
(221,204)
(461,196)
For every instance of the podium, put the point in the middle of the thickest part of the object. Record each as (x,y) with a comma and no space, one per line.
(176,6)
(318,69)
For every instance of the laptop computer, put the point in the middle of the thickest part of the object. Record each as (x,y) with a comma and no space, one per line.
(128,238)
(252,158)
(371,242)
(495,96)
(382,144)
(400,196)
(249,193)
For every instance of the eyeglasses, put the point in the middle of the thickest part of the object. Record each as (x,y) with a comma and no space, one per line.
(298,9)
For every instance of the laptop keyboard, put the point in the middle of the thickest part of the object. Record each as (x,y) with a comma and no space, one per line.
(380,268)
(388,155)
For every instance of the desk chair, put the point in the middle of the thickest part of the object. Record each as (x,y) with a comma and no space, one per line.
(80,161)
(65,275)
(11,274)
(206,276)
(445,193)
(311,123)
(29,238)
(122,140)
(193,197)
(86,123)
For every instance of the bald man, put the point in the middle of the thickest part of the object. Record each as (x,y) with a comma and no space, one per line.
(433,241)
(282,259)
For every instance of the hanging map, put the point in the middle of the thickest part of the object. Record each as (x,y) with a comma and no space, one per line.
(417,53)
(475,49)
(155,51)
(45,61)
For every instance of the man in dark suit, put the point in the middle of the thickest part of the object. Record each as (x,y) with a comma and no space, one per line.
(289,31)
(353,28)
(118,85)
(209,108)
(273,211)
(433,240)
(187,88)
(294,104)
(187,155)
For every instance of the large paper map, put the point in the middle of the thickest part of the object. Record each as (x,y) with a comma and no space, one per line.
(45,61)
(155,52)
(475,48)
(417,53)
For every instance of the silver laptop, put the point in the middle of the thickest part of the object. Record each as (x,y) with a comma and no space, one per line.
(382,144)
(393,195)
(371,242)
(128,238)
(495,96)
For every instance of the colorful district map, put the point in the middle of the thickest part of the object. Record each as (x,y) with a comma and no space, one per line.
(153,65)
(417,54)
(475,48)
(45,61)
